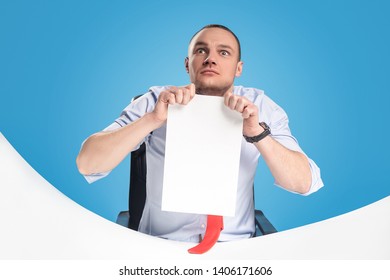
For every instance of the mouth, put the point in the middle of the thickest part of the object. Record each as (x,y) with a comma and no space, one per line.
(209,72)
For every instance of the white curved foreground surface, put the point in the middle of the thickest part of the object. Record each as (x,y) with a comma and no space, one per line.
(39,222)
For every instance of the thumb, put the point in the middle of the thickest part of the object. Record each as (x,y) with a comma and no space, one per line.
(227,97)
(191,88)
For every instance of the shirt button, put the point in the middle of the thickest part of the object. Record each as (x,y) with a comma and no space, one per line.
(202,225)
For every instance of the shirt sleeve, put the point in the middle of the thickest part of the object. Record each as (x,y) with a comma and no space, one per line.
(278,121)
(135,110)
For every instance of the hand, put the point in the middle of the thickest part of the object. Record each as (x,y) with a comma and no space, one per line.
(170,96)
(248,111)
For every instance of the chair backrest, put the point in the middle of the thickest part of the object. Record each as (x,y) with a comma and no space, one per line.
(137,188)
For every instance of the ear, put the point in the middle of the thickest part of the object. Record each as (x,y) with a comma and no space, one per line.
(186,60)
(240,64)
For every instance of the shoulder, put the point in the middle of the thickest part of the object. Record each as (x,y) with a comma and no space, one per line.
(144,102)
(251,93)
(156,90)
(269,110)
(147,99)
(256,96)
(152,94)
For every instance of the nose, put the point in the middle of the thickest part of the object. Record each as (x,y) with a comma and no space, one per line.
(210,59)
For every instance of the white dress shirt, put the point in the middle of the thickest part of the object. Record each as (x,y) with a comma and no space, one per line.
(188,227)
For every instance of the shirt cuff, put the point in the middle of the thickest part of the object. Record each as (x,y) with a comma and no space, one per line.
(95,176)
(316,181)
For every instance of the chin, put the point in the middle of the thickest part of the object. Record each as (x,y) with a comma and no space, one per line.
(211,88)
(207,85)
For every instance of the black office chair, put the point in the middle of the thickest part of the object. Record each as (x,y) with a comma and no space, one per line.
(137,196)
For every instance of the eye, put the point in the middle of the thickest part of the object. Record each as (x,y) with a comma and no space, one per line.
(224,53)
(200,51)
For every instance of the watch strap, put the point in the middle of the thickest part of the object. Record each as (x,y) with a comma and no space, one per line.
(257,138)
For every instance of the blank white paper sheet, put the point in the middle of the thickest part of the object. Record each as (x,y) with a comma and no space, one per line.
(202,157)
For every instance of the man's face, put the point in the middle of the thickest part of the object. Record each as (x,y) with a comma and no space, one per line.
(213,61)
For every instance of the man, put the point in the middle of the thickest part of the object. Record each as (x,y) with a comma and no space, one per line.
(213,62)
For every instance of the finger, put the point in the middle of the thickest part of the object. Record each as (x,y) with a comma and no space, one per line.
(232,102)
(246,113)
(165,97)
(172,89)
(186,95)
(241,104)
(192,90)
(249,111)
(179,95)
(226,98)
(171,99)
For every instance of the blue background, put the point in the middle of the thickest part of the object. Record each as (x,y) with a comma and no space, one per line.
(68,69)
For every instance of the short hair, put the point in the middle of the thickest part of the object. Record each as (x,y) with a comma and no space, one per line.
(224,28)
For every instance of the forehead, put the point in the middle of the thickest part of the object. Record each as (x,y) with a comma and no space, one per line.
(214,36)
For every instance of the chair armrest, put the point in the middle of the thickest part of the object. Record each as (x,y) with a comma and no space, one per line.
(123,218)
(262,224)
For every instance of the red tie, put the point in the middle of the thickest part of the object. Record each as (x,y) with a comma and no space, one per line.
(214,228)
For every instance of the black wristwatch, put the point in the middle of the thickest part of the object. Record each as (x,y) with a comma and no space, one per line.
(257,138)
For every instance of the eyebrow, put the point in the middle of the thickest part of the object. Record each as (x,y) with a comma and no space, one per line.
(200,43)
